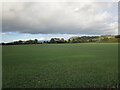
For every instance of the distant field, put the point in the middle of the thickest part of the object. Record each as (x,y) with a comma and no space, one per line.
(60,65)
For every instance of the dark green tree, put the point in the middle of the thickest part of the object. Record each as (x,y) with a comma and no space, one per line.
(62,40)
(36,41)
(52,40)
(69,40)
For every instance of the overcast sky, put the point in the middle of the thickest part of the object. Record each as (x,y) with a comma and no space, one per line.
(43,20)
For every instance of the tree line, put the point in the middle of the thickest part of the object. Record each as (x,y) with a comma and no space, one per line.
(36,41)
(82,39)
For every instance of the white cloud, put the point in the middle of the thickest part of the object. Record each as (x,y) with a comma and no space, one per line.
(56,17)
(20,39)
(44,38)
(2,33)
(59,0)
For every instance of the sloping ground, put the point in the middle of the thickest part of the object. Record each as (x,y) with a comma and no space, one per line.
(101,39)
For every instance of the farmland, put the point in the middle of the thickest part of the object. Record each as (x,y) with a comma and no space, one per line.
(80,65)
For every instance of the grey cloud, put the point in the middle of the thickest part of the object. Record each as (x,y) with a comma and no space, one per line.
(56,17)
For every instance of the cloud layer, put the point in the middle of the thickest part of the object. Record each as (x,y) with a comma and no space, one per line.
(60,17)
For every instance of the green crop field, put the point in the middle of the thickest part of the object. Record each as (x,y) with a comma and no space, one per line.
(82,65)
